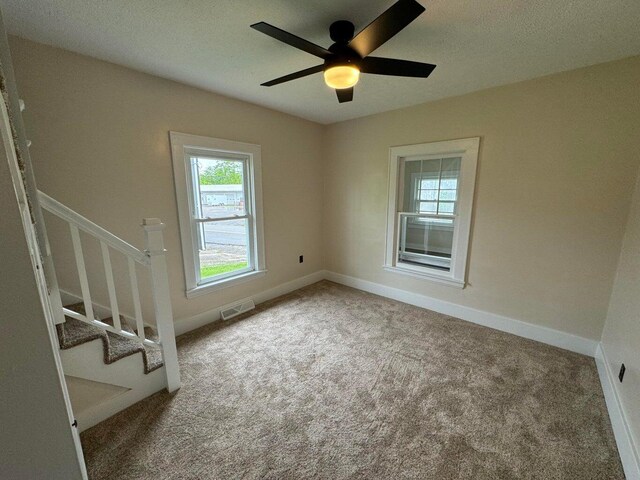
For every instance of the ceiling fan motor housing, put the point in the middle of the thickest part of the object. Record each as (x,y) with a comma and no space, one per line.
(342,31)
(342,55)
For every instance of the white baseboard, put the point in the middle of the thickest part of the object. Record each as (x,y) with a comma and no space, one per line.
(185,325)
(629,454)
(539,333)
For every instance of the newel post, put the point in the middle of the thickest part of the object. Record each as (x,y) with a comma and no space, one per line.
(153,228)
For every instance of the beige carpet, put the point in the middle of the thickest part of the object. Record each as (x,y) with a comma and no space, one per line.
(330,382)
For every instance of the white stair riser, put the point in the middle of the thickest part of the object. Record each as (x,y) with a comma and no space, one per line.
(153,383)
(87,361)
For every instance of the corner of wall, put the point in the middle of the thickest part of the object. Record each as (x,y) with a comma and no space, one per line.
(324,155)
(627,449)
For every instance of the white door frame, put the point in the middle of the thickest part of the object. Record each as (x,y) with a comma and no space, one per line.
(31,236)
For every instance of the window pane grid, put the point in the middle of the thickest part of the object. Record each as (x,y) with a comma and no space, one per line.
(437,193)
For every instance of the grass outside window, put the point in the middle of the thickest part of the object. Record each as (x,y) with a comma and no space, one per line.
(212,270)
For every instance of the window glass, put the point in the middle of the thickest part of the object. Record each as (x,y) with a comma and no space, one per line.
(431,188)
(220,184)
(428,207)
(446,207)
(225,248)
(433,180)
(448,195)
(221,216)
(426,242)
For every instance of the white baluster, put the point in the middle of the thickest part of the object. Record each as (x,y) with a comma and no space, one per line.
(111,287)
(133,279)
(162,300)
(54,290)
(82,272)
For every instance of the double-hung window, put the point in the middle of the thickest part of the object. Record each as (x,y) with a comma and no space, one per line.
(219,207)
(431,189)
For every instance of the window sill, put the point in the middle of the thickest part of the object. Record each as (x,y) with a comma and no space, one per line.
(432,277)
(227,282)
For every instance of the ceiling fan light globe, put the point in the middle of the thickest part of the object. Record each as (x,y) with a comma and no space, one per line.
(341,76)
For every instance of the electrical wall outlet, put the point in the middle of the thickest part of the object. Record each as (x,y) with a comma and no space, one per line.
(622,370)
(301,258)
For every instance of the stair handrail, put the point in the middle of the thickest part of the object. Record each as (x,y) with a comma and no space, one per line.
(70,216)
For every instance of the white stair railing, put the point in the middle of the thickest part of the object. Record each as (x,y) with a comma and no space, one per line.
(153,259)
(161,296)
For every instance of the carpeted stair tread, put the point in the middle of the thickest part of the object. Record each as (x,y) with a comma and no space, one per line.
(120,347)
(151,334)
(123,324)
(77,307)
(74,332)
(152,356)
(115,347)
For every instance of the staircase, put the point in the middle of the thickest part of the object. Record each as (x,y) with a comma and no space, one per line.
(112,359)
(115,347)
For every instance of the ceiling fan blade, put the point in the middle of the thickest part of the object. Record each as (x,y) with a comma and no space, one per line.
(398,16)
(344,94)
(293,76)
(392,66)
(290,39)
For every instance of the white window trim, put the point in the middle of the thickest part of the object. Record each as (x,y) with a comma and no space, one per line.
(180,143)
(467,149)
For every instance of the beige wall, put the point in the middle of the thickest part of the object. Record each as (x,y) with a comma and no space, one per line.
(101,146)
(621,336)
(557,164)
(556,169)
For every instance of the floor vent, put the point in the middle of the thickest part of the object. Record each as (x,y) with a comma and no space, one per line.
(235,309)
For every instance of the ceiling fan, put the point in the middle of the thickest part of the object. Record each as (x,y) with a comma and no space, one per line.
(348,56)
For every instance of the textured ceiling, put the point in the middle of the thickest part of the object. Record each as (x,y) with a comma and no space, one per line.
(208,44)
